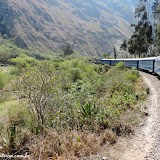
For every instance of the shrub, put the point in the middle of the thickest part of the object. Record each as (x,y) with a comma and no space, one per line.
(120,65)
(147,90)
(4,79)
(131,77)
(14,71)
(134,72)
(24,61)
(106,67)
(75,74)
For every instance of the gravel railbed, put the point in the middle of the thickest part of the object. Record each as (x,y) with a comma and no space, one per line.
(154,151)
(151,136)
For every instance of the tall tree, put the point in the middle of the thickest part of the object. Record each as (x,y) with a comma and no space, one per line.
(141,39)
(156,25)
(115,53)
(124,47)
(68,50)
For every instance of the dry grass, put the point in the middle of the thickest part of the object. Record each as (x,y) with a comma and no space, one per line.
(71,144)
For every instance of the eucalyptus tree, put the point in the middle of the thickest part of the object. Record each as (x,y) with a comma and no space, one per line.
(156,24)
(140,41)
(124,47)
(68,50)
(115,52)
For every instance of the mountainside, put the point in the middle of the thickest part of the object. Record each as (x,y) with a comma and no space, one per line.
(91,27)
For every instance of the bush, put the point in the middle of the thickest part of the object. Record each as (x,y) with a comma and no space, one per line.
(4,78)
(120,65)
(14,71)
(75,74)
(73,84)
(132,75)
(132,78)
(24,61)
(106,67)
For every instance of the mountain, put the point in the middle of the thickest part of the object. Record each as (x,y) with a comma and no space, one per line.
(91,27)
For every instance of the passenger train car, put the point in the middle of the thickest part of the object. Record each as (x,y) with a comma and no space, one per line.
(147,63)
(151,64)
(131,63)
(157,66)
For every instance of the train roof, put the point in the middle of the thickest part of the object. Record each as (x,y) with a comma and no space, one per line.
(105,59)
(112,59)
(117,59)
(132,59)
(149,58)
(158,58)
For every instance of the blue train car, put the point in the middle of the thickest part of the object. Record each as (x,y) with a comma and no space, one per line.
(131,62)
(157,66)
(115,61)
(106,61)
(147,63)
(151,64)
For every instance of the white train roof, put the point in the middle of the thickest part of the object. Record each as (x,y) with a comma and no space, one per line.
(105,59)
(112,59)
(148,58)
(132,59)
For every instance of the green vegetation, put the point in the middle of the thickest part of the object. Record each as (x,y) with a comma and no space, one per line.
(68,50)
(142,38)
(24,62)
(8,51)
(115,53)
(145,38)
(105,55)
(70,99)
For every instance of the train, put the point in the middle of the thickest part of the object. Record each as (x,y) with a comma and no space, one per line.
(151,64)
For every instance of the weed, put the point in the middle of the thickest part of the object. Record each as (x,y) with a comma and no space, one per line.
(147,90)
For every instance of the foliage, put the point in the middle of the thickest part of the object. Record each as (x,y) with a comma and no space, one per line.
(38,85)
(88,111)
(2,80)
(75,74)
(120,65)
(105,55)
(24,62)
(156,24)
(72,94)
(115,53)
(8,51)
(124,45)
(68,50)
(59,97)
(142,38)
(106,67)
(132,75)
